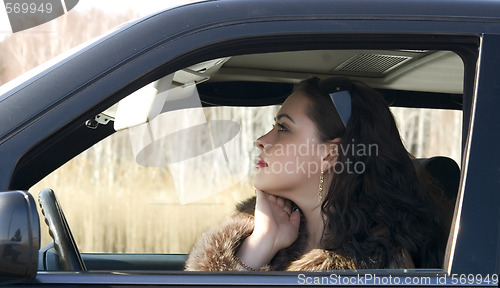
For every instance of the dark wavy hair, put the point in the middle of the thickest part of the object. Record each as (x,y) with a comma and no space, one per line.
(373,214)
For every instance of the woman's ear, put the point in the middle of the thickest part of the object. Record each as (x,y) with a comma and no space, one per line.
(331,157)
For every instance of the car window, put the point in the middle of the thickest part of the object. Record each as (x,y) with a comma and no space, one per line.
(179,163)
(431,132)
(114,204)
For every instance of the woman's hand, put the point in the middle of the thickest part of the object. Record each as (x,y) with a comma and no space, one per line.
(276,227)
(274,220)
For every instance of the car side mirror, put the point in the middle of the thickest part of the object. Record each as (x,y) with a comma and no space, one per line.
(19,236)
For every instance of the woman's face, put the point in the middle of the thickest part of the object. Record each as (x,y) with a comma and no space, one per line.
(291,154)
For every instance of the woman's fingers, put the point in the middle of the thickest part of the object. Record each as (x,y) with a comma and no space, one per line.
(288,206)
(271,198)
(275,221)
(295,219)
(282,203)
(258,192)
(261,195)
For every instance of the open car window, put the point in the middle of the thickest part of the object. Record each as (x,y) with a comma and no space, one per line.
(183,153)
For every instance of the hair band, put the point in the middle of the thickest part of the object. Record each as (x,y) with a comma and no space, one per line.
(342,102)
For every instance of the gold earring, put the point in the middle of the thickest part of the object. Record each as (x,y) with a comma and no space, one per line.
(320,192)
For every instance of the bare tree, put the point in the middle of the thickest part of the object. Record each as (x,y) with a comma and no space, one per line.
(22,51)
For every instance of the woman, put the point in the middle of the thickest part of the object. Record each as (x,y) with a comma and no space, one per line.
(335,189)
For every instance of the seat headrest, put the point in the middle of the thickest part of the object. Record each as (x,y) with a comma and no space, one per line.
(445,172)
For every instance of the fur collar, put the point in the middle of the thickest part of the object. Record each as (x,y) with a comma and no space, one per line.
(216,249)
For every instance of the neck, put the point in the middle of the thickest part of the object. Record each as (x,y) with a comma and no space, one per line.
(314,220)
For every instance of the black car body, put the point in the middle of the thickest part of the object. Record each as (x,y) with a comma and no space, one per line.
(44,116)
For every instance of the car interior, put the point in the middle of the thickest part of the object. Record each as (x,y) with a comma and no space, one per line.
(428,89)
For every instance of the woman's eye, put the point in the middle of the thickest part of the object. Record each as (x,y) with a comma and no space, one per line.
(281,127)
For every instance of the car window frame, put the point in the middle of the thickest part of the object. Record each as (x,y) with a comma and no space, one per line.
(467,256)
(31,151)
(424,273)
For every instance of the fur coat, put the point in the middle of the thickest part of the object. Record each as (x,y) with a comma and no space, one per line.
(216,249)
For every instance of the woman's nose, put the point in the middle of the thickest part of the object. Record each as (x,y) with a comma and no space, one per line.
(261,143)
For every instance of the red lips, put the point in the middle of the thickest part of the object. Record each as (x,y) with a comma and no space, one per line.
(261,163)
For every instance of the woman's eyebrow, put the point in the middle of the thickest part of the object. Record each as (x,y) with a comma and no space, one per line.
(284,115)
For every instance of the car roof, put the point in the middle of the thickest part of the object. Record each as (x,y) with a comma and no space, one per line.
(241,11)
(416,10)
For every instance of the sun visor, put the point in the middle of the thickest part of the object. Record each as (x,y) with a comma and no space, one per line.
(203,156)
(147,103)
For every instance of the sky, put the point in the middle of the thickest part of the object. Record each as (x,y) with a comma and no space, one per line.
(142,7)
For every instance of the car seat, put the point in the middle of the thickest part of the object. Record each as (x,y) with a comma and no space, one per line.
(443,173)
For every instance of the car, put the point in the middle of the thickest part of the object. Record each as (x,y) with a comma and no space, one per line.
(141,139)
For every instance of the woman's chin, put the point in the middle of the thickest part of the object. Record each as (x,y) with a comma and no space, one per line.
(271,185)
(258,182)
(264,184)
(268,189)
